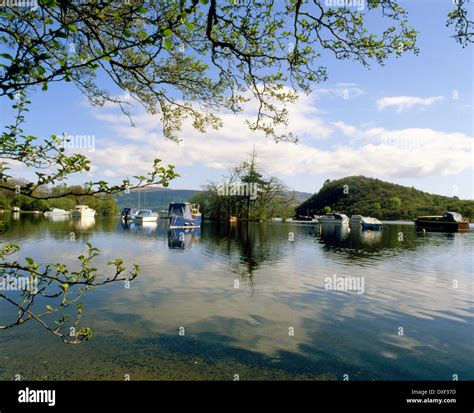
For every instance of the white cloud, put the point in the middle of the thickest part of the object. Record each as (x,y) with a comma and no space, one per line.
(402,103)
(351,150)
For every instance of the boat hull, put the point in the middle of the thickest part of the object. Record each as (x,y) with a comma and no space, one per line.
(49,214)
(442,226)
(82,214)
(181,222)
(145,219)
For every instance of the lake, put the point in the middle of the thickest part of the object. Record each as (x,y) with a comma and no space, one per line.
(255,301)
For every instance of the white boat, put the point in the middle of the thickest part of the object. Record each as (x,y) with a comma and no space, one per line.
(356,219)
(15,209)
(145,215)
(56,212)
(81,211)
(333,219)
(371,223)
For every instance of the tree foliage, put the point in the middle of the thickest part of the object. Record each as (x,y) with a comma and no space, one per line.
(187,59)
(62,287)
(245,193)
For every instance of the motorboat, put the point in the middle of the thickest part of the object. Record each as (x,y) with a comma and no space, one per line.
(184,215)
(371,223)
(56,212)
(145,215)
(81,211)
(333,219)
(449,222)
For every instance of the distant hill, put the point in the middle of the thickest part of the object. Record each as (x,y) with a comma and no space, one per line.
(159,198)
(373,197)
(300,197)
(154,198)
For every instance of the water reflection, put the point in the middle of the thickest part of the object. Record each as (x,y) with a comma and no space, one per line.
(143,227)
(334,233)
(83,223)
(58,218)
(183,238)
(280,271)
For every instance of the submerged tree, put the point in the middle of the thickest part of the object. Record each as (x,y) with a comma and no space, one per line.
(180,59)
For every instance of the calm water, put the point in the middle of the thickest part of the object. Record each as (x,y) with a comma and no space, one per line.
(190,283)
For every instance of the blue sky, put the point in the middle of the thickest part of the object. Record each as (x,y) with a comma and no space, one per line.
(408,122)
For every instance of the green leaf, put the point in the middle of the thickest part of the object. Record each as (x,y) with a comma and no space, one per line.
(167,33)
(190,26)
(29,260)
(168,44)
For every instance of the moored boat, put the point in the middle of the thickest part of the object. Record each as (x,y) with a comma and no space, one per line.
(184,215)
(81,211)
(145,215)
(56,212)
(449,222)
(333,219)
(371,223)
